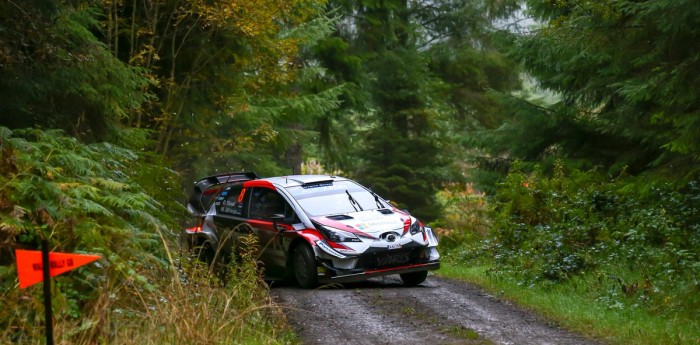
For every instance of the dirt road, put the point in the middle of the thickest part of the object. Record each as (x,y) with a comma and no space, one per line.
(439,311)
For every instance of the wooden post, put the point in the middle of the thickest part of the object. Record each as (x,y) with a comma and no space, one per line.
(48,312)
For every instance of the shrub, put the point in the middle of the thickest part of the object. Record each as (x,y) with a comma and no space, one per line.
(81,198)
(642,235)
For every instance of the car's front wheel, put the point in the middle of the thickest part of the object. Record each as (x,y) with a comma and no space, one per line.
(304,262)
(414,278)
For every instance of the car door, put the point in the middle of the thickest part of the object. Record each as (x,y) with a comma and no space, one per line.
(230,218)
(265,204)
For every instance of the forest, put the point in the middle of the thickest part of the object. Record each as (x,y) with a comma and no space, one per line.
(552,143)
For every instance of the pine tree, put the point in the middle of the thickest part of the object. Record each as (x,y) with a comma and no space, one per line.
(420,86)
(56,73)
(626,72)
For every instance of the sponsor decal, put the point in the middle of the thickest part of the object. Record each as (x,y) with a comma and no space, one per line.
(317,185)
(326,248)
(395,259)
(224,193)
(316,188)
(362,226)
(431,235)
(385,222)
(394,246)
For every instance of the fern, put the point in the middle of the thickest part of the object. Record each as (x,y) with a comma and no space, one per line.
(85,198)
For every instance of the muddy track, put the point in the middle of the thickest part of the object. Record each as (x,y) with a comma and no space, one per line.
(439,311)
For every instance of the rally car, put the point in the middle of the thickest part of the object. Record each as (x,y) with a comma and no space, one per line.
(313,229)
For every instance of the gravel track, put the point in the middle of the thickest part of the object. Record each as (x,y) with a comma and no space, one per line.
(439,311)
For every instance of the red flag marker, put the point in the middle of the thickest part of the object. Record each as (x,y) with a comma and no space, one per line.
(29,265)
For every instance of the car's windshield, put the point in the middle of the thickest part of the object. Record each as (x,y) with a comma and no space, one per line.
(335,198)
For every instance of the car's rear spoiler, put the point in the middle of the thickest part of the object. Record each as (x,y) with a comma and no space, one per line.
(207,188)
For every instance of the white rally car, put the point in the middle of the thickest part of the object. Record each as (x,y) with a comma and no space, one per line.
(312,228)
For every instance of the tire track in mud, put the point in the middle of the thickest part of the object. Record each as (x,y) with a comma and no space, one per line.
(439,311)
(355,314)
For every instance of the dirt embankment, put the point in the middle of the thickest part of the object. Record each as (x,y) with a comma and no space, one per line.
(439,311)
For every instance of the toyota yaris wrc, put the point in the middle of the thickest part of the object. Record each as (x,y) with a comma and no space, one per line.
(310,228)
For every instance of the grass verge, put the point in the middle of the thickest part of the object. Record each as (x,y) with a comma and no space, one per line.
(573,305)
(186,305)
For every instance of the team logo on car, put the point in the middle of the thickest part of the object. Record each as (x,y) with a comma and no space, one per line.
(362,226)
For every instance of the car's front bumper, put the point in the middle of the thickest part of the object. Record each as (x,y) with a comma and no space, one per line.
(375,262)
(349,276)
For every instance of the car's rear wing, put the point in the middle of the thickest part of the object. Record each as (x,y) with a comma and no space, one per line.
(206,189)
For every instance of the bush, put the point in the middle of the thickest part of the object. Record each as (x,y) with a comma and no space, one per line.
(99,198)
(82,199)
(464,218)
(643,236)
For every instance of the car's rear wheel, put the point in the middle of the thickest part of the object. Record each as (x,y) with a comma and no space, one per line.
(304,263)
(414,278)
(204,253)
(207,255)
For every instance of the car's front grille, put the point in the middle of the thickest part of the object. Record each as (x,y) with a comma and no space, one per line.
(391,258)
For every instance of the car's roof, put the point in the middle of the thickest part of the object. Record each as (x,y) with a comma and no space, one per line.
(300,180)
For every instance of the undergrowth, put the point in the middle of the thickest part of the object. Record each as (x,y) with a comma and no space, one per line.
(622,244)
(107,200)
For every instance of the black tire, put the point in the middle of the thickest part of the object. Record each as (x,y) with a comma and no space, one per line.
(304,264)
(208,256)
(204,253)
(414,278)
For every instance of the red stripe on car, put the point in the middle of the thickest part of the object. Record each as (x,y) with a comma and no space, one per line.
(259,183)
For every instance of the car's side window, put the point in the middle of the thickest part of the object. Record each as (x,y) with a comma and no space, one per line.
(230,201)
(264,203)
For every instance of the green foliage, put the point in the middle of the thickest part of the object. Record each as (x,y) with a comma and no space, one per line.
(402,155)
(625,72)
(83,199)
(266,132)
(228,76)
(639,238)
(418,74)
(55,72)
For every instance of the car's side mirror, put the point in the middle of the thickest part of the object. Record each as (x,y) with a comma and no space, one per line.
(277,220)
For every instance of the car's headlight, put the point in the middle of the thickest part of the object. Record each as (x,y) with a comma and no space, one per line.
(337,235)
(415,228)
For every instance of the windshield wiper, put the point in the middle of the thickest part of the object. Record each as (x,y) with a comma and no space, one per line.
(353,202)
(376,199)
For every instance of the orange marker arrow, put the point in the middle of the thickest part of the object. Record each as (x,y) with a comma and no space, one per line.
(29,265)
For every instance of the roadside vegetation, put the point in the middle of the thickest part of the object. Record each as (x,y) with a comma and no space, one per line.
(588,199)
(101,199)
(617,259)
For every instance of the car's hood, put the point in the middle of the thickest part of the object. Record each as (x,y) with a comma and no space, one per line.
(374,222)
